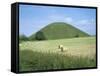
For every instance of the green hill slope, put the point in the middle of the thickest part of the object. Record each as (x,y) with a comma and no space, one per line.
(58,30)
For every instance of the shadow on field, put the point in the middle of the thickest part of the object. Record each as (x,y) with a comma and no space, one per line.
(32,61)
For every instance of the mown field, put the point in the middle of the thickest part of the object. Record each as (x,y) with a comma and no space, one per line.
(45,55)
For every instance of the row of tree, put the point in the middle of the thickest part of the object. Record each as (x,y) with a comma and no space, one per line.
(38,36)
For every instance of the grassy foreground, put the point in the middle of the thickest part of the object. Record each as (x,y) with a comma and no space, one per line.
(45,55)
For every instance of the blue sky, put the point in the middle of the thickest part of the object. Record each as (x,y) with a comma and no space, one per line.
(32,18)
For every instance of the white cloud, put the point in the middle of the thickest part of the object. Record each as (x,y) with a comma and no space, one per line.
(88,26)
(61,18)
(69,20)
(54,17)
(83,22)
(86,22)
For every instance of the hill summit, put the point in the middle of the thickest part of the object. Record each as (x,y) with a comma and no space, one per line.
(58,30)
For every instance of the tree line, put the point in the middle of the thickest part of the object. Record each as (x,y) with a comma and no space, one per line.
(38,36)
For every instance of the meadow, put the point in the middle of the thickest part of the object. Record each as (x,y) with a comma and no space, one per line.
(45,54)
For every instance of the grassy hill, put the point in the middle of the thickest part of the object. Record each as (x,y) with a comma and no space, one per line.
(58,30)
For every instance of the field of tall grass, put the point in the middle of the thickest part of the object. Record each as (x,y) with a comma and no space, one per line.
(45,55)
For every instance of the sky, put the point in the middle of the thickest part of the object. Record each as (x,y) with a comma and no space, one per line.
(32,18)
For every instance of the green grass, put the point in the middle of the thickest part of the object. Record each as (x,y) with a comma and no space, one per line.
(45,55)
(59,30)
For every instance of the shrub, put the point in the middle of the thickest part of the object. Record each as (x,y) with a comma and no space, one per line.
(23,38)
(40,36)
(76,35)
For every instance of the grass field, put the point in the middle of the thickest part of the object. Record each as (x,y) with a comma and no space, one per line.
(45,55)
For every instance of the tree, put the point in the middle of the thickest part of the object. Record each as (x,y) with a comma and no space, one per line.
(23,38)
(32,38)
(40,36)
(76,35)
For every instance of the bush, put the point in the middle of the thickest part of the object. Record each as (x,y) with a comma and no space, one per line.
(23,38)
(40,36)
(77,35)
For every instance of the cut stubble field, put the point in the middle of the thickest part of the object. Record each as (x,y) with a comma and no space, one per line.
(45,55)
